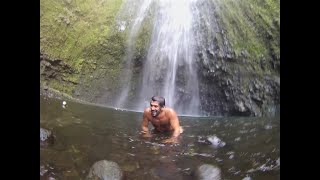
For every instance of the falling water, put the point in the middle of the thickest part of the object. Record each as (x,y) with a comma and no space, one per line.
(169,68)
(127,71)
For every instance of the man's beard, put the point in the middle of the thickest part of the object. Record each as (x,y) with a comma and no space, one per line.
(155,113)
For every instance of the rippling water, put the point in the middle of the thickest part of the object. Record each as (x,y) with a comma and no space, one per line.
(85,134)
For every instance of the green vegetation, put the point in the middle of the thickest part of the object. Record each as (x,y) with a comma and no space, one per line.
(83,34)
(66,29)
(70,30)
(251,25)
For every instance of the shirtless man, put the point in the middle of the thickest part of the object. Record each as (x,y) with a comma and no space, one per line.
(162,118)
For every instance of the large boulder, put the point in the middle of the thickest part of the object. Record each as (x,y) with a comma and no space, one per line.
(208,172)
(105,170)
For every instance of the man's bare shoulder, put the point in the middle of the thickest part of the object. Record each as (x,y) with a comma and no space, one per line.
(170,111)
(147,112)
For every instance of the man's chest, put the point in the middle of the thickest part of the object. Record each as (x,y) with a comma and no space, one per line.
(160,121)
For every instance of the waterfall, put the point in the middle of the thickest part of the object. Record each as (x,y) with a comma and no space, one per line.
(170,65)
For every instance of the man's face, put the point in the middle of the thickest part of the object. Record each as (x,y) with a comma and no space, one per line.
(155,108)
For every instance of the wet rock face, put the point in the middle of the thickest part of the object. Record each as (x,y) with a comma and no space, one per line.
(225,87)
(54,68)
(105,170)
(235,88)
(208,172)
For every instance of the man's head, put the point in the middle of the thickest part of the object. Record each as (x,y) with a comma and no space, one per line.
(156,104)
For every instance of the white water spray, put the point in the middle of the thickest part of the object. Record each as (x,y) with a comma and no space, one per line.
(170,68)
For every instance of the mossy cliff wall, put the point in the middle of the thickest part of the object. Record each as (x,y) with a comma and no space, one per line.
(82,52)
(80,47)
(241,67)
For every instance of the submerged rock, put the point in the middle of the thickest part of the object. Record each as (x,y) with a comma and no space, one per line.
(44,134)
(48,172)
(208,172)
(105,170)
(247,178)
(46,137)
(215,141)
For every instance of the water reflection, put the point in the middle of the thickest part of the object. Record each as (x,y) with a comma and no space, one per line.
(85,134)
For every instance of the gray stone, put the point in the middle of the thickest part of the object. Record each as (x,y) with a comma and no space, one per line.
(44,134)
(247,178)
(215,141)
(208,172)
(105,170)
(43,170)
(240,106)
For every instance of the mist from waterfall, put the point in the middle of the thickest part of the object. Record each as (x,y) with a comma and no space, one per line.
(169,68)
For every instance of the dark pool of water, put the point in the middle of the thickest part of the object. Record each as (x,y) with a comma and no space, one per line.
(85,134)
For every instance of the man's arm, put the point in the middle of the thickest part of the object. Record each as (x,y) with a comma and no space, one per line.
(174,122)
(144,125)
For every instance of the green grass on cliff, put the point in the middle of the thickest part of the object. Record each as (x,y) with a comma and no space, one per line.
(251,25)
(80,32)
(69,29)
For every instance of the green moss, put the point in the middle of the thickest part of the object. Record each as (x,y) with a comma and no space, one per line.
(108,53)
(69,30)
(142,44)
(251,25)
(78,64)
(66,29)
(72,79)
(61,86)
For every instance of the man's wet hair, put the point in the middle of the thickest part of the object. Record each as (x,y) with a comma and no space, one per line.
(160,100)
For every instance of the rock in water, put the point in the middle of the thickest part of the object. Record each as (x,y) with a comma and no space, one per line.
(46,137)
(247,178)
(105,170)
(215,141)
(44,134)
(64,104)
(208,172)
